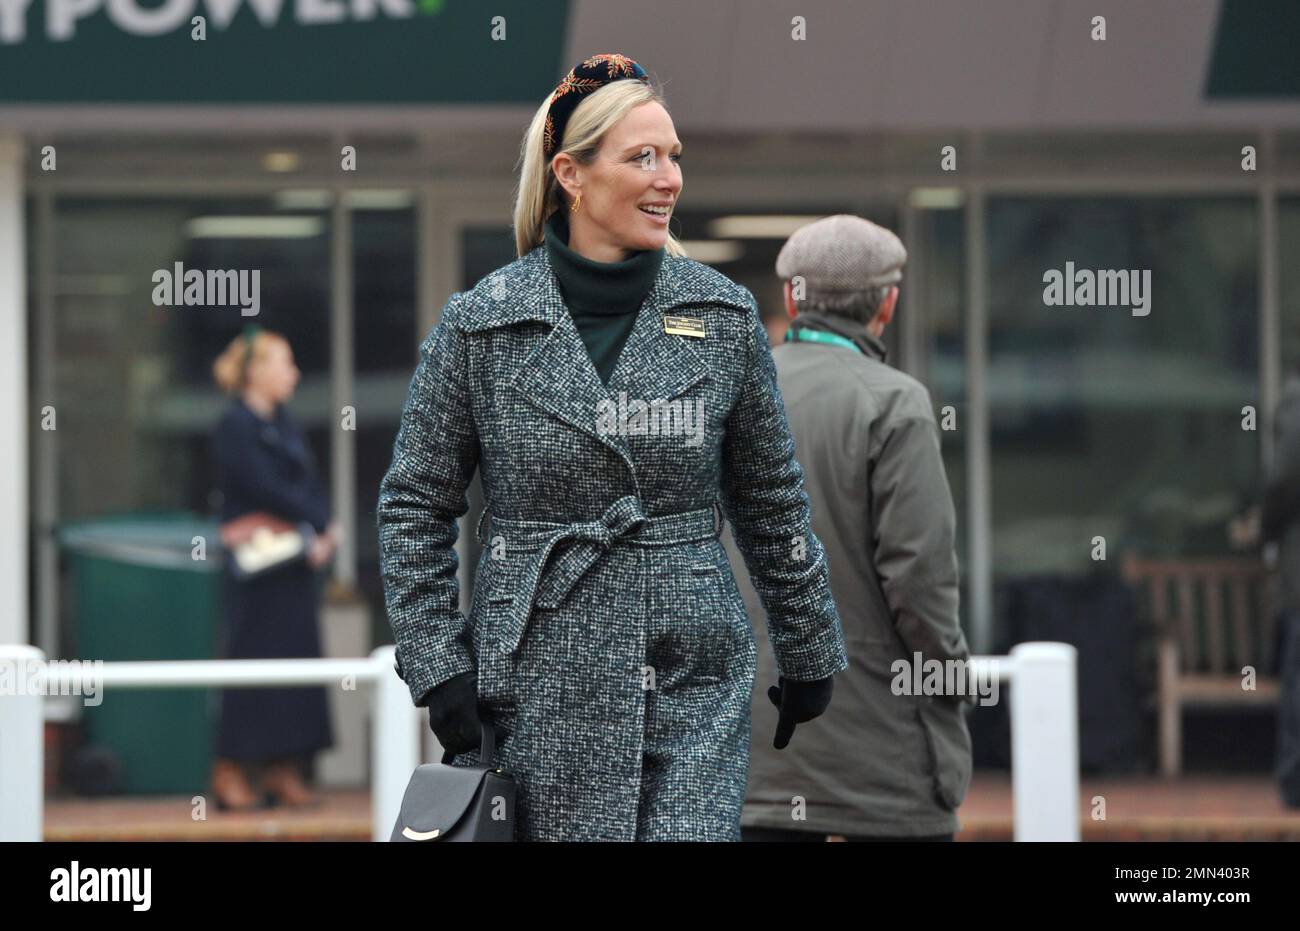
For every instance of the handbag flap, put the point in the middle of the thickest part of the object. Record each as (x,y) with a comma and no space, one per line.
(436,798)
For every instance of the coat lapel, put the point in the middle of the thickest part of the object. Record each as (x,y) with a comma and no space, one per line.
(558,376)
(655,364)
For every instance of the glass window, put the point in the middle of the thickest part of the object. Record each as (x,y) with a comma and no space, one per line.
(385,345)
(1106,423)
(933,288)
(133,381)
(1288,259)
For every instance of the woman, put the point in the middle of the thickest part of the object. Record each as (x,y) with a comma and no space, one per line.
(607,642)
(264,464)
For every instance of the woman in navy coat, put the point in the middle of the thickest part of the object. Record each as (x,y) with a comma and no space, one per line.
(614,396)
(264,464)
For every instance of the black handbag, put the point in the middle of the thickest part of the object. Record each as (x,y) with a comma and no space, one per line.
(459,803)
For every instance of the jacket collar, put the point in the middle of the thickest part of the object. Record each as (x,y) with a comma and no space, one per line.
(526,289)
(860,336)
(558,375)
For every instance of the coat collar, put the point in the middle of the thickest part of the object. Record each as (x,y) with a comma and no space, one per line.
(558,375)
(871,347)
(526,289)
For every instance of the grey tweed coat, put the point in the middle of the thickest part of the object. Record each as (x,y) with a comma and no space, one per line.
(612,648)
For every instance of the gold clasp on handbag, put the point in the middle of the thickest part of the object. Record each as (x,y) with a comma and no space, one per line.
(420,835)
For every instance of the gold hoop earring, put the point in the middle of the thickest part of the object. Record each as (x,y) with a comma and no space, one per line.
(573,207)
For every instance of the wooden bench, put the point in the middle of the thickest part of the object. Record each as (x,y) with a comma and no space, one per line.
(1213,617)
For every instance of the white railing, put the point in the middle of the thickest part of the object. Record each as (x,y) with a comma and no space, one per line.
(1044,726)
(1044,737)
(397,725)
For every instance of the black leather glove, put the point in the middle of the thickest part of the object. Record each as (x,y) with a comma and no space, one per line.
(797,703)
(453,713)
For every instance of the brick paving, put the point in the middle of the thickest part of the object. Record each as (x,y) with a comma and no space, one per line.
(1138,808)
(343,816)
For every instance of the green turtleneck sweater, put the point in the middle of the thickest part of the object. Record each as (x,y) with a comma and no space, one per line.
(603,297)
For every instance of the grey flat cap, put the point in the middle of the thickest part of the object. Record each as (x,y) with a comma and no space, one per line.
(842,253)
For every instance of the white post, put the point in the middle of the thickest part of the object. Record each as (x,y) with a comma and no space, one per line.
(22,747)
(1045,742)
(395,745)
(16,415)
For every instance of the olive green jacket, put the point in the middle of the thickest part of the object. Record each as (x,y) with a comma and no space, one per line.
(876,762)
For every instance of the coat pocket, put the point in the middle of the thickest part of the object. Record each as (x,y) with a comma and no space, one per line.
(704,604)
(718,614)
(947,741)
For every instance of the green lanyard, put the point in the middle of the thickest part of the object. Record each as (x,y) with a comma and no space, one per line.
(818,336)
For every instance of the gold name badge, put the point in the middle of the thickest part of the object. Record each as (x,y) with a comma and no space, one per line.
(684,326)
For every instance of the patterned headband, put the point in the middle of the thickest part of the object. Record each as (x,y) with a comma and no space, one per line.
(591,75)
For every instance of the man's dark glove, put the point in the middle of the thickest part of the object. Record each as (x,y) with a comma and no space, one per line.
(797,703)
(453,713)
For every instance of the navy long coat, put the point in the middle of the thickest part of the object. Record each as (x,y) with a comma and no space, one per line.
(268,466)
(612,648)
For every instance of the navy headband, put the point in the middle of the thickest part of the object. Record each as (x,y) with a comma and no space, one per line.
(591,75)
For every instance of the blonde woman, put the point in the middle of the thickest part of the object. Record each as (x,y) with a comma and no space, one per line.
(264,464)
(613,394)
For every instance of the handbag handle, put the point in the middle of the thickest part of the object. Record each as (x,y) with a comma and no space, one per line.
(486,749)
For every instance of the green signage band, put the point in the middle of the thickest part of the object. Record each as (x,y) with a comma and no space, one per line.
(281,51)
(1254,56)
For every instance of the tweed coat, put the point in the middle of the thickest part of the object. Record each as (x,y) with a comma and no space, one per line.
(613,651)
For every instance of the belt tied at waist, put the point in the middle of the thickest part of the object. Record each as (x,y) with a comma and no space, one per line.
(546,582)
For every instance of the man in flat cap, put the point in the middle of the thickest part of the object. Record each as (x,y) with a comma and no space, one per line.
(883,762)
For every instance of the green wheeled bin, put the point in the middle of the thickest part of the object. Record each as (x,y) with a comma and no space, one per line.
(140,593)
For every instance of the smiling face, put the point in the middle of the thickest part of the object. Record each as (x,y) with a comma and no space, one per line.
(628,191)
